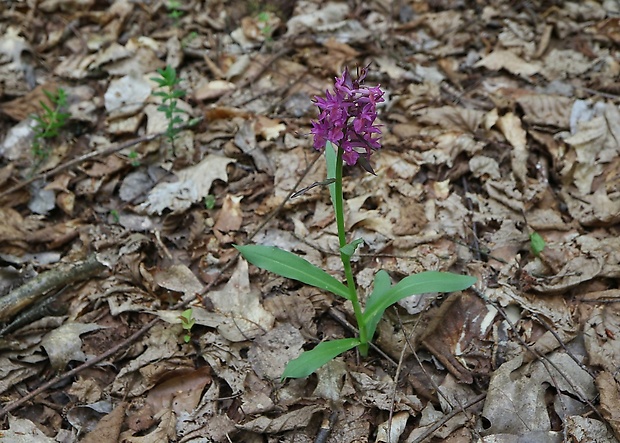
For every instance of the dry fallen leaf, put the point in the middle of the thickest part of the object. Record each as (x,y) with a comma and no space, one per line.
(63,344)
(240,304)
(194,184)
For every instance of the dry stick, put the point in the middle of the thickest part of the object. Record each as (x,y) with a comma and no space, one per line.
(326,428)
(136,335)
(470,207)
(399,368)
(263,68)
(461,408)
(35,288)
(547,326)
(286,199)
(91,155)
(447,417)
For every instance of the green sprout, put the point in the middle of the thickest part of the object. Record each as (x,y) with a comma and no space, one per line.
(210,201)
(187,321)
(133,156)
(189,38)
(168,80)
(115,216)
(174,10)
(266,29)
(49,123)
(537,243)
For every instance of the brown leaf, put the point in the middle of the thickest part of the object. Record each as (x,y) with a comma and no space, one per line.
(20,108)
(609,391)
(109,427)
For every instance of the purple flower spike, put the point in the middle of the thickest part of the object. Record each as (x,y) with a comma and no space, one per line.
(347,118)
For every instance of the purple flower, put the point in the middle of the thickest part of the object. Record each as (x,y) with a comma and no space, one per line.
(347,117)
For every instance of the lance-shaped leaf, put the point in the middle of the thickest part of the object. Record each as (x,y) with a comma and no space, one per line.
(291,266)
(310,361)
(429,281)
(380,287)
(349,248)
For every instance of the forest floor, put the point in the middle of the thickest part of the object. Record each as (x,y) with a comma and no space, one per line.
(500,159)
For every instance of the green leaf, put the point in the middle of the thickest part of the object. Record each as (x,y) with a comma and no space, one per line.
(289,265)
(46,108)
(310,361)
(349,249)
(160,81)
(380,287)
(537,243)
(194,121)
(330,159)
(429,281)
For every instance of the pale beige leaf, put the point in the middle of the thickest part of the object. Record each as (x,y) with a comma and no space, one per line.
(511,127)
(245,316)
(64,344)
(544,109)
(194,183)
(508,60)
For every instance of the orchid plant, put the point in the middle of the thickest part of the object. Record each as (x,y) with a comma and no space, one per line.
(346,131)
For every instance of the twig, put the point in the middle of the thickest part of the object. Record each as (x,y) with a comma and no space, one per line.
(399,368)
(48,384)
(548,327)
(263,68)
(91,155)
(286,199)
(326,427)
(337,315)
(76,161)
(470,207)
(460,408)
(438,424)
(35,288)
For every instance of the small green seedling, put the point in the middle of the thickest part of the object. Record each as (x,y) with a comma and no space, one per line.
(168,80)
(49,123)
(188,39)
(187,321)
(174,10)
(210,201)
(537,243)
(266,29)
(133,156)
(115,215)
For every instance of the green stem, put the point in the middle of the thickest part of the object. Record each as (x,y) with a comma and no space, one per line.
(342,240)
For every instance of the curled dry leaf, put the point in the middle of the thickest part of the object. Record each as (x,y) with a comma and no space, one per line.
(192,186)
(64,344)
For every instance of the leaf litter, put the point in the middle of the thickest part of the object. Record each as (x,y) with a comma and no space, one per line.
(500,122)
